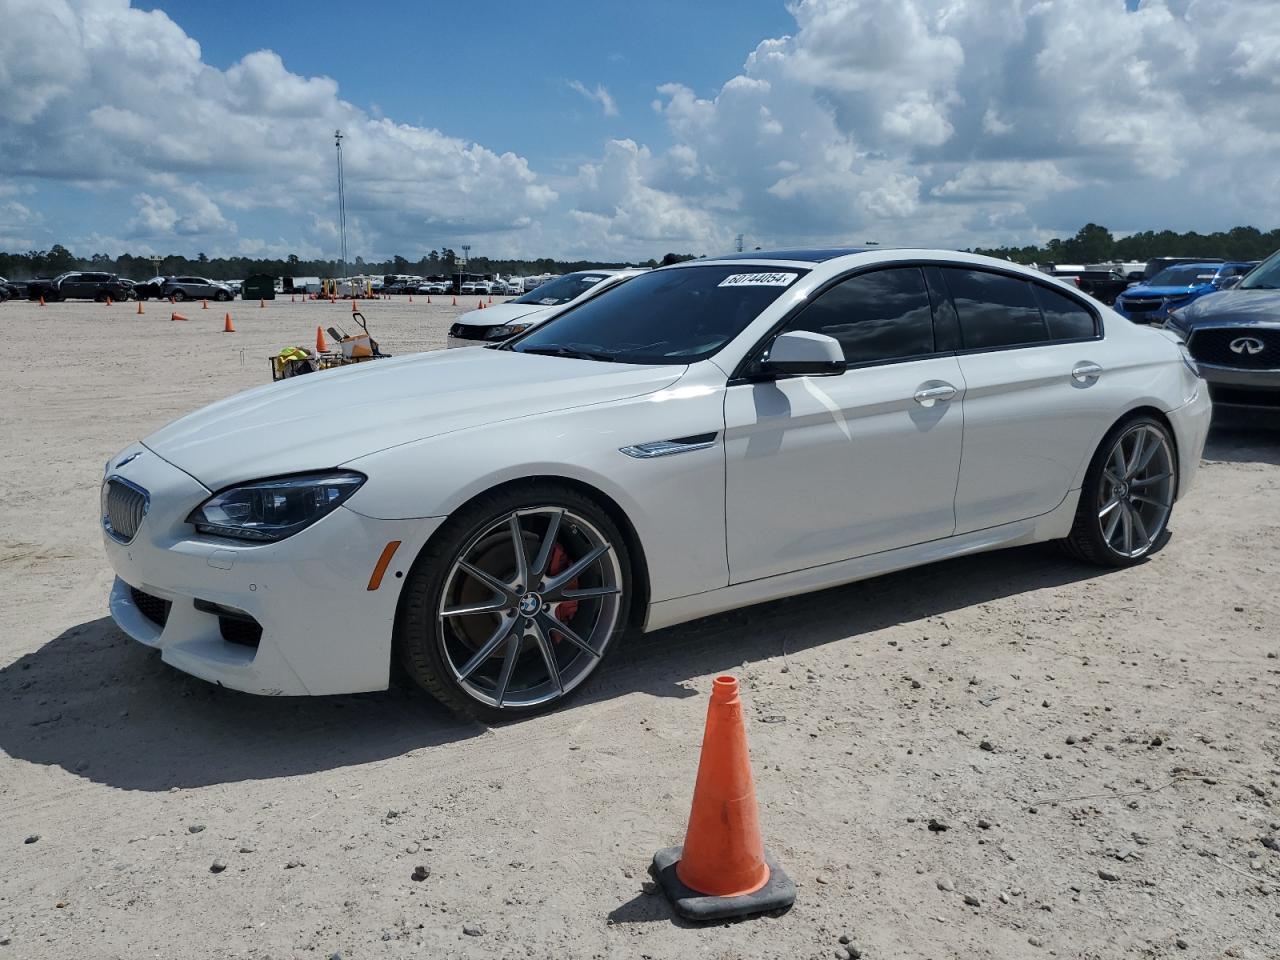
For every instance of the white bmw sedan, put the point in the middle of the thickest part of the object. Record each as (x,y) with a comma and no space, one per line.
(705,436)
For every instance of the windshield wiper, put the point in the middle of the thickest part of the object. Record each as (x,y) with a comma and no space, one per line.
(562,351)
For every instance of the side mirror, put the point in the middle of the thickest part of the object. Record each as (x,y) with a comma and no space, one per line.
(801,353)
(1229,283)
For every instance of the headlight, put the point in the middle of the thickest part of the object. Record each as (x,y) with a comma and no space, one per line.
(274,509)
(510,330)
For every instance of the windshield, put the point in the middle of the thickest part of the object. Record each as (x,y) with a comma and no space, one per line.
(1183,275)
(677,315)
(1265,276)
(561,290)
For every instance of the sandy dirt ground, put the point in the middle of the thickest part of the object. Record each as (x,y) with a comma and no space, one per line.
(1103,748)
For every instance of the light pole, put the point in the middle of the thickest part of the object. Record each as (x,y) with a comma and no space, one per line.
(342,207)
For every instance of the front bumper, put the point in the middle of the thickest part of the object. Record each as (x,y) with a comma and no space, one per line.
(1237,387)
(323,630)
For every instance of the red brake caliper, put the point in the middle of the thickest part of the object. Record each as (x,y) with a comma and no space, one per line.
(564,610)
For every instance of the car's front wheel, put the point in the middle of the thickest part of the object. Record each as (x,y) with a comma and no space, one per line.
(1127,497)
(515,602)
(178,295)
(222,296)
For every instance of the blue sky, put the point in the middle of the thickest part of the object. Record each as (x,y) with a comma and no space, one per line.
(611,131)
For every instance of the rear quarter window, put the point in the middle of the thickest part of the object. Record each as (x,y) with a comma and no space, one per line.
(1067,319)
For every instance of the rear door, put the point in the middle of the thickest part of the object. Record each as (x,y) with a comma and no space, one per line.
(1031,357)
(823,469)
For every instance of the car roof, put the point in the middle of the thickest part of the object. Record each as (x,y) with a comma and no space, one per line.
(801,255)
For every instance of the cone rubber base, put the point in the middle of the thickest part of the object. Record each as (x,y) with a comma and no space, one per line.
(778,894)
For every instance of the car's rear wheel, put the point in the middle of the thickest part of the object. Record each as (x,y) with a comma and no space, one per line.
(178,295)
(1127,497)
(222,296)
(515,602)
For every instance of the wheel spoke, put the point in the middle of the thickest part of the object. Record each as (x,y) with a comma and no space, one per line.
(1108,508)
(1140,528)
(541,562)
(1109,531)
(589,593)
(1117,460)
(549,623)
(1147,481)
(1154,502)
(508,667)
(471,609)
(575,569)
(1147,455)
(1135,454)
(517,546)
(548,656)
(490,581)
(1126,522)
(487,648)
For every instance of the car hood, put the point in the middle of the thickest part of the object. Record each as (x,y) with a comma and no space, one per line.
(322,420)
(1235,307)
(500,313)
(1142,290)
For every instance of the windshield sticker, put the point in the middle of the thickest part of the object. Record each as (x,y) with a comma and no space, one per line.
(548,301)
(757,280)
(592,279)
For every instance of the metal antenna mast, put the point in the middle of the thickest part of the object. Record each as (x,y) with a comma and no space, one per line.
(342,206)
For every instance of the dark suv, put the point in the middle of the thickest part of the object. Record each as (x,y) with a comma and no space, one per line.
(1234,336)
(78,285)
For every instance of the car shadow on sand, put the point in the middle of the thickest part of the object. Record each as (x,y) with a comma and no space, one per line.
(1244,436)
(101,706)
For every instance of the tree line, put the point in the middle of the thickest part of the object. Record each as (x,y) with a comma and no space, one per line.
(1091,244)
(58,259)
(1095,244)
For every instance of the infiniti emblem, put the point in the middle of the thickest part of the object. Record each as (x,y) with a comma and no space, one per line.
(1249,345)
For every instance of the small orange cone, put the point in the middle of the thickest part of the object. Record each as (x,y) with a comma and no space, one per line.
(262,303)
(178,316)
(353,307)
(428,298)
(228,326)
(479,304)
(108,300)
(139,308)
(321,346)
(42,299)
(204,304)
(491,298)
(455,301)
(723,870)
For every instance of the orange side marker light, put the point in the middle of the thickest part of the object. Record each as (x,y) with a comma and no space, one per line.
(380,568)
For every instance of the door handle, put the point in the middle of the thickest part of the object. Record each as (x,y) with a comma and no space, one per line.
(928,396)
(1084,372)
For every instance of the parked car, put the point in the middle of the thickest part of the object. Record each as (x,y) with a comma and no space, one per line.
(1102,285)
(1156,264)
(477,328)
(79,285)
(433,286)
(195,288)
(10,290)
(1234,336)
(1176,286)
(709,435)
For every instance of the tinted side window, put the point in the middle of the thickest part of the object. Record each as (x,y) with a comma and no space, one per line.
(876,316)
(1067,319)
(995,310)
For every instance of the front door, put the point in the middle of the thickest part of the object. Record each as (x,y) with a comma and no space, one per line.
(823,469)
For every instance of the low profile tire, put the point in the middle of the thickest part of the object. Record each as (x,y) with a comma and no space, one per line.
(1127,497)
(179,296)
(222,296)
(514,602)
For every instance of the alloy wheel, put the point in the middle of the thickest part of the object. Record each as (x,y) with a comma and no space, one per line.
(1135,495)
(529,607)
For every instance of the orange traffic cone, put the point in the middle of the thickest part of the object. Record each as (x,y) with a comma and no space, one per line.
(353,307)
(42,299)
(262,303)
(139,308)
(228,326)
(455,301)
(178,316)
(491,298)
(108,300)
(428,298)
(321,346)
(204,304)
(723,870)
(479,304)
